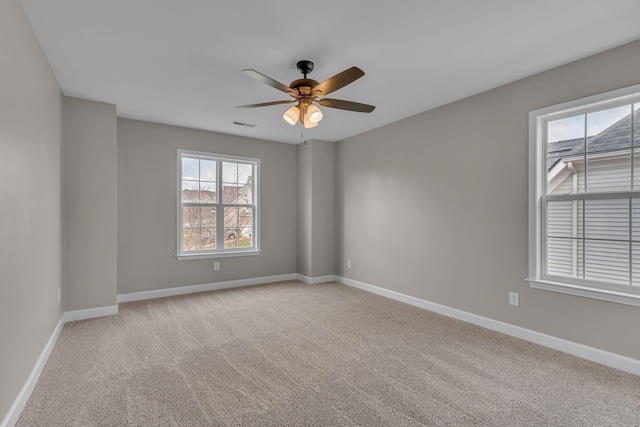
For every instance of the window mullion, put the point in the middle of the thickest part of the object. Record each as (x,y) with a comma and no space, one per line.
(584,235)
(199,245)
(633,156)
(594,196)
(544,202)
(586,166)
(219,208)
(196,204)
(545,235)
(630,242)
(633,145)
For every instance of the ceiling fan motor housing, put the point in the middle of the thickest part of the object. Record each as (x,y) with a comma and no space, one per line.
(304,86)
(305,67)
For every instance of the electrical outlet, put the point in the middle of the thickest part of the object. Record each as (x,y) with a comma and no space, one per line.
(216,265)
(514,299)
(59,295)
(349,263)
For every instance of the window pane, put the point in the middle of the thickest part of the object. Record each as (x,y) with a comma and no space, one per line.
(190,228)
(609,171)
(636,264)
(552,164)
(565,177)
(230,193)
(609,129)
(607,219)
(190,169)
(229,172)
(636,123)
(208,170)
(207,238)
(563,257)
(244,173)
(198,228)
(246,237)
(237,173)
(564,218)
(231,237)
(208,217)
(607,261)
(565,143)
(238,227)
(245,217)
(190,191)
(190,217)
(237,195)
(190,239)
(207,192)
(245,195)
(565,136)
(636,169)
(231,217)
(635,217)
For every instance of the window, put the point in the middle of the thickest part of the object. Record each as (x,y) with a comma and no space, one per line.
(217,205)
(584,207)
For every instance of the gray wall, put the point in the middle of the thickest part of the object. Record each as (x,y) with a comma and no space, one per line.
(323,207)
(436,206)
(304,209)
(90,204)
(30,201)
(316,201)
(147,207)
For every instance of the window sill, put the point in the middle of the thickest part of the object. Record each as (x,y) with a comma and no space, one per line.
(587,292)
(183,257)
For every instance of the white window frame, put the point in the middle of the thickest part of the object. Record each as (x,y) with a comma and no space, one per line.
(220,251)
(538,279)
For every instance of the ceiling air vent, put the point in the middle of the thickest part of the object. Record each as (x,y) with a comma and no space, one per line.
(248,125)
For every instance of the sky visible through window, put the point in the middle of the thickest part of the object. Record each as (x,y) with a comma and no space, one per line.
(194,170)
(573,127)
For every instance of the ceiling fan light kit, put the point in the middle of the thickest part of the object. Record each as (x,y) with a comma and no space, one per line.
(314,114)
(291,115)
(309,125)
(306,91)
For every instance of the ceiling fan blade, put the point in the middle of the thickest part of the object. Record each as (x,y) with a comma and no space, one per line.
(266,104)
(338,81)
(346,105)
(268,80)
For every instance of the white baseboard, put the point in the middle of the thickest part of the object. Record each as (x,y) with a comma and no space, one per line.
(182,290)
(90,313)
(315,280)
(606,358)
(23,397)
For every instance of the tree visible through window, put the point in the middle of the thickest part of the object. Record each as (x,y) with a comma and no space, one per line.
(588,196)
(217,204)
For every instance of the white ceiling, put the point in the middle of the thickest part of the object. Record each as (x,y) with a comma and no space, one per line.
(179,62)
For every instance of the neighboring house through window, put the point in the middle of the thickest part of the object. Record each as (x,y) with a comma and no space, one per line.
(217,205)
(584,217)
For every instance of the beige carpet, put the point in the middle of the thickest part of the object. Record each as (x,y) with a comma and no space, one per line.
(325,355)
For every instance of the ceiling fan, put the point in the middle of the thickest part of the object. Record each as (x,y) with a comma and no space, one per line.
(306,91)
